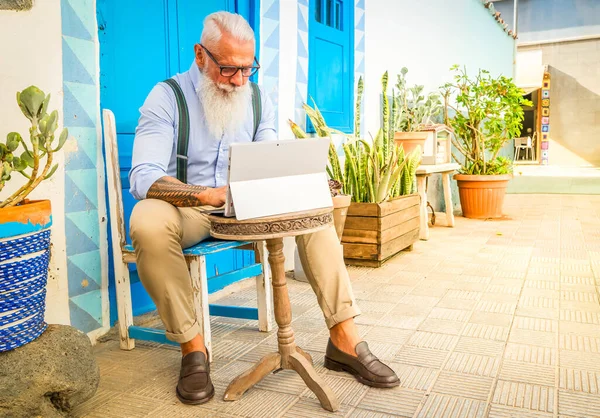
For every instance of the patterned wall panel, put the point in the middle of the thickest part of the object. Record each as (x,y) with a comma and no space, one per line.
(544,145)
(302,66)
(269,49)
(84,265)
(359,46)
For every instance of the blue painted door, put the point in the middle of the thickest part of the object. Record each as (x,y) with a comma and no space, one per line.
(331,60)
(141,43)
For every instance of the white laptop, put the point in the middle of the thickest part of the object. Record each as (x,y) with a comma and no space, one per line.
(276,177)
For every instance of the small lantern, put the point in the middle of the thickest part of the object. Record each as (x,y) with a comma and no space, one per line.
(438,145)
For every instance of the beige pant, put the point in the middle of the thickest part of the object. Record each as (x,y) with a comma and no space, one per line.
(159,231)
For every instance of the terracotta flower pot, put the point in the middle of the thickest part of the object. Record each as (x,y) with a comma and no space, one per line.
(482,197)
(340,210)
(410,140)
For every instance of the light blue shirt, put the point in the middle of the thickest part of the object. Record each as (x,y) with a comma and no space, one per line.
(155,143)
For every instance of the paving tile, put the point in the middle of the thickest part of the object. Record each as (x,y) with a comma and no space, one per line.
(530,397)
(479,346)
(580,360)
(578,404)
(538,302)
(547,313)
(527,372)
(404,309)
(531,354)
(501,289)
(421,300)
(530,285)
(311,408)
(451,303)
(425,357)
(535,324)
(478,365)
(439,405)
(414,377)
(347,389)
(404,322)
(400,401)
(384,351)
(487,318)
(491,332)
(284,381)
(576,328)
(580,316)
(579,343)
(259,400)
(458,384)
(136,406)
(101,397)
(450,314)
(579,296)
(582,306)
(541,338)
(442,326)
(463,294)
(388,335)
(579,380)
(433,340)
(365,413)
(179,410)
(369,318)
(232,349)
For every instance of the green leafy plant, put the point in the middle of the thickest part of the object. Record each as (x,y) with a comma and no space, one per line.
(488,113)
(33,102)
(372,172)
(414,110)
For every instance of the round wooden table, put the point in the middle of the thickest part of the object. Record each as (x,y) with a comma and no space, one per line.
(289,356)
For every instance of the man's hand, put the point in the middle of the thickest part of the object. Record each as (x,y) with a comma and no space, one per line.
(214,197)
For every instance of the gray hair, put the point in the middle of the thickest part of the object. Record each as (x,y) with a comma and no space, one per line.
(234,24)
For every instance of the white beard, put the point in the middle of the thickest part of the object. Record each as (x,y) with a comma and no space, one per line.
(225,106)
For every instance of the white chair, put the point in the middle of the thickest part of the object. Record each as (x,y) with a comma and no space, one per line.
(524,144)
(196,258)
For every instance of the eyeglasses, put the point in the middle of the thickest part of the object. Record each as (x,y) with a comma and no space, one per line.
(231,70)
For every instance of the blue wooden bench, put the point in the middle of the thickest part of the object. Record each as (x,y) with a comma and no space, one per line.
(195,256)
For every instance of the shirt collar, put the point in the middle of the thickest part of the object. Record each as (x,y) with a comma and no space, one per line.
(195,75)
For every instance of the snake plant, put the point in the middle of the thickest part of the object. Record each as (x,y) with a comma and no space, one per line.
(373,172)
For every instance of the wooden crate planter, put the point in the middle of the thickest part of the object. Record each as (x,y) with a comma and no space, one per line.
(374,232)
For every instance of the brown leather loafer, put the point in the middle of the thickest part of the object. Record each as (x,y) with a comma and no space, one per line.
(194,386)
(366,368)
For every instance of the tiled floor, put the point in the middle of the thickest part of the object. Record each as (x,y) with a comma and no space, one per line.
(497,318)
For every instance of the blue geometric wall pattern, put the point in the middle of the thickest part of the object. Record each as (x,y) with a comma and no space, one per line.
(359,45)
(302,65)
(80,110)
(269,50)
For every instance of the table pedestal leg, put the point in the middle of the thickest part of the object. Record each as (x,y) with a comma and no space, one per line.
(448,199)
(289,356)
(421,189)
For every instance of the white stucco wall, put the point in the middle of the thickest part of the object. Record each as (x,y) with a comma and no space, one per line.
(428,37)
(30,53)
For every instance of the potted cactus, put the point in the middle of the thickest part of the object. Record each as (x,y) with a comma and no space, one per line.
(383,218)
(25,224)
(414,113)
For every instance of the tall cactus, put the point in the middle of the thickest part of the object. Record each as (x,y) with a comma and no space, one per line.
(386,116)
(33,103)
(372,172)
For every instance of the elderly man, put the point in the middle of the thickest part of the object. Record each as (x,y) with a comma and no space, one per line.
(169,216)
